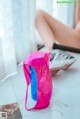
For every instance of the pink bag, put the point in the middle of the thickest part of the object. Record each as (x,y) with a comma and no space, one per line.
(39,81)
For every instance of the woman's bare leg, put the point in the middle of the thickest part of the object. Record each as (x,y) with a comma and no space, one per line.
(44,30)
(50,30)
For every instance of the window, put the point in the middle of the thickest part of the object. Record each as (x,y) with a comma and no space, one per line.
(62,12)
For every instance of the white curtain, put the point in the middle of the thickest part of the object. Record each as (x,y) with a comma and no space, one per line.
(7,49)
(17,34)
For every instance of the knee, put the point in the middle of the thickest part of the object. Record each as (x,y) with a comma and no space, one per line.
(38,15)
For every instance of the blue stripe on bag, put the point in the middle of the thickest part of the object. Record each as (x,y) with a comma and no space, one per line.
(34,83)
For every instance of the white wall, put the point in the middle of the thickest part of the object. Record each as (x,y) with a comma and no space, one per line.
(64,13)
